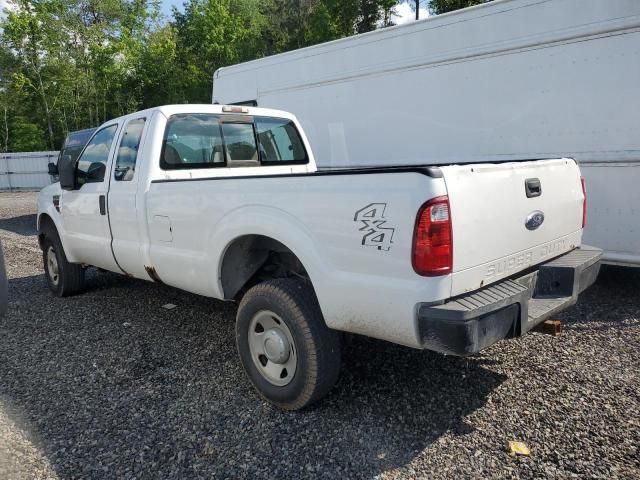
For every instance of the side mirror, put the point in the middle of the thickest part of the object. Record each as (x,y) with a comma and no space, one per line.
(67,172)
(53,168)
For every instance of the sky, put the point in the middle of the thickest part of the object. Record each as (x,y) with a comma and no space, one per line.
(404,14)
(166,6)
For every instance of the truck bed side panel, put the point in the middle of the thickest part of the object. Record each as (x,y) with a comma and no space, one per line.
(353,234)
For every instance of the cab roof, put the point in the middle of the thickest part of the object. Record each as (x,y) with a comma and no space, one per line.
(168,110)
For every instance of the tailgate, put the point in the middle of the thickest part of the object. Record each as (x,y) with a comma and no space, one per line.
(496,216)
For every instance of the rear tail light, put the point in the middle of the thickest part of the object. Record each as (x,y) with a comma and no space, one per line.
(432,253)
(584,202)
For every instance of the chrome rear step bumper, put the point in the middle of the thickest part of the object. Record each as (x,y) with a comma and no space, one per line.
(510,308)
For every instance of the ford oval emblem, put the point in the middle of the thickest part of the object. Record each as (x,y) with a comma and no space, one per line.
(534,220)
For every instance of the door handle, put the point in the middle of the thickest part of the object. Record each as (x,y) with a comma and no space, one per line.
(103,204)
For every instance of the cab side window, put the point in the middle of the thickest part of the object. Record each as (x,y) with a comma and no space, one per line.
(279,142)
(128,150)
(211,140)
(93,161)
(192,141)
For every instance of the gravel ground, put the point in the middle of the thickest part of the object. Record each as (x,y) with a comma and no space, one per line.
(109,384)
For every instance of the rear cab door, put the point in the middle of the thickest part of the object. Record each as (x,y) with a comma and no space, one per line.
(122,200)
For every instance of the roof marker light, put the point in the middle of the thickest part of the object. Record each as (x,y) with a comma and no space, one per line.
(234,109)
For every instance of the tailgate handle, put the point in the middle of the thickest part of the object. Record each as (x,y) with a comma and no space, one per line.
(533,187)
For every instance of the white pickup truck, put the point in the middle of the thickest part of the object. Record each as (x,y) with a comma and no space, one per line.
(227,202)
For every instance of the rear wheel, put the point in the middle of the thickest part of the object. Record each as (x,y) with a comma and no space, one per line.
(290,355)
(63,278)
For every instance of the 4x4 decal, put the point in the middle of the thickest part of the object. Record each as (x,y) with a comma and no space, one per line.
(373,222)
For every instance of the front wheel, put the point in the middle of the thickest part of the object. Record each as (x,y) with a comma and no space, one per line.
(290,355)
(63,278)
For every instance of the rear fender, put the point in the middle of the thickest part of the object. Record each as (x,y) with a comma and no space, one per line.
(270,222)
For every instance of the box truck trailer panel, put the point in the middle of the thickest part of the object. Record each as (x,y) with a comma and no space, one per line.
(508,80)
(613,214)
(513,79)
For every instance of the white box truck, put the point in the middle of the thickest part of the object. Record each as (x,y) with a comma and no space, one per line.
(508,80)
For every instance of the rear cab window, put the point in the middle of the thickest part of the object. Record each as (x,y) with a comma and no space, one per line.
(219,140)
(240,143)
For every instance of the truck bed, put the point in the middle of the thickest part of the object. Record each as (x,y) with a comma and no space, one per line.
(326,219)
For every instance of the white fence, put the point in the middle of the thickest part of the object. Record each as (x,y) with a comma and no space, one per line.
(26,170)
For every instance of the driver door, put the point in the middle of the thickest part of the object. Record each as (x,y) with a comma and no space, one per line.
(87,235)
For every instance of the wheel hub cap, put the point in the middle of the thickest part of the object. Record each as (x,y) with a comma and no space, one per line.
(52,266)
(272,348)
(276,346)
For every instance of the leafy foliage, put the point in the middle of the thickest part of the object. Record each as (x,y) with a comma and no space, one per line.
(72,64)
(444,6)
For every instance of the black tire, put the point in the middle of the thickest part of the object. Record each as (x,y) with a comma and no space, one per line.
(69,279)
(317,347)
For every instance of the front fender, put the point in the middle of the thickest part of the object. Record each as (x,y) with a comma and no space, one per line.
(46,207)
(46,204)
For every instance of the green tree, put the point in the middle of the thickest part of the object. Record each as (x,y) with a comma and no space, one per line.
(315,21)
(211,34)
(26,136)
(374,13)
(72,64)
(7,97)
(443,6)
(158,80)
(33,34)
(437,7)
